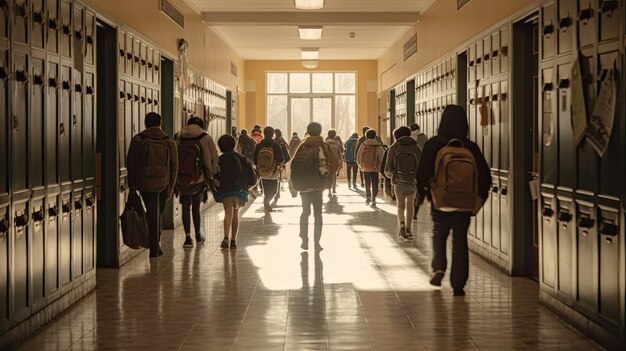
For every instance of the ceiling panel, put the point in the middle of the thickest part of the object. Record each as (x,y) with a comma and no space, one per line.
(329,6)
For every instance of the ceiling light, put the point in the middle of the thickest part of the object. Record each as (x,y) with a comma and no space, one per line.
(310,32)
(310,64)
(309,4)
(310,53)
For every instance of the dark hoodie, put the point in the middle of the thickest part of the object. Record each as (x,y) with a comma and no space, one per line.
(404,144)
(135,151)
(453,126)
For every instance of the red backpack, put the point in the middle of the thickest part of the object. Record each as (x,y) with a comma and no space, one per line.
(368,159)
(190,160)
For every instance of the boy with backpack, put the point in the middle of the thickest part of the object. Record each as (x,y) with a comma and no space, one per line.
(356,151)
(197,163)
(351,166)
(457,179)
(335,147)
(268,158)
(312,168)
(246,145)
(152,163)
(401,167)
(231,186)
(369,156)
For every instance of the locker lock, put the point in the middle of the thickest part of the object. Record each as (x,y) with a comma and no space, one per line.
(67,207)
(66,30)
(608,6)
(37,18)
(78,34)
(4,225)
(129,56)
(90,201)
(122,53)
(585,222)
(53,211)
(565,217)
(78,204)
(564,83)
(20,11)
(38,215)
(608,228)
(585,15)
(78,88)
(547,213)
(38,80)
(89,90)
(21,219)
(21,76)
(565,22)
(504,191)
(52,24)
(122,95)
(53,83)
(89,40)
(66,85)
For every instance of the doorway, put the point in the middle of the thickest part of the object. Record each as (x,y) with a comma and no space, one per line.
(304,110)
(526,146)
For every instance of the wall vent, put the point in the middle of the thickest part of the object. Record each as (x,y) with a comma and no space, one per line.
(173,13)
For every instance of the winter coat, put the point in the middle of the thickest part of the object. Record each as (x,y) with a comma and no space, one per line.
(135,151)
(350,150)
(394,150)
(379,155)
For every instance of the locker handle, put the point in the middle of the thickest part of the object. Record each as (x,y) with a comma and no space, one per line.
(495,53)
(136,98)
(89,90)
(38,80)
(67,207)
(129,56)
(608,6)
(37,18)
(608,229)
(143,62)
(471,101)
(123,187)
(504,191)
(564,83)
(585,15)
(495,190)
(74,121)
(479,60)
(156,102)
(471,63)
(66,30)
(78,204)
(156,68)
(149,101)
(90,201)
(66,85)
(548,29)
(547,212)
(548,86)
(21,220)
(39,215)
(129,96)
(52,24)
(143,100)
(122,53)
(504,50)
(20,11)
(122,95)
(89,40)
(21,76)
(486,58)
(4,225)
(53,211)
(565,217)
(78,34)
(136,59)
(78,88)
(585,222)
(565,22)
(16,123)
(4,75)
(494,97)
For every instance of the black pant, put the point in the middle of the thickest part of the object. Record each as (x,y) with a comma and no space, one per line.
(155,203)
(270,187)
(458,223)
(351,172)
(361,173)
(311,199)
(371,184)
(191,202)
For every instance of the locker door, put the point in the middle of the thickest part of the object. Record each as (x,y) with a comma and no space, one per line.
(77,235)
(20,29)
(53,25)
(65,119)
(5,228)
(19,262)
(505,231)
(495,53)
(609,263)
(471,64)
(89,230)
(37,118)
(479,60)
(567,163)
(121,58)
(548,32)
(19,138)
(4,26)
(587,156)
(495,212)
(89,151)
(567,13)
(129,54)
(504,126)
(587,256)
(150,65)
(487,57)
(142,104)
(52,246)
(504,50)
(52,115)
(76,143)
(137,119)
(37,251)
(65,243)
(37,24)
(136,59)
(121,133)
(586,23)
(610,175)
(549,156)
(157,68)
(567,242)
(90,38)
(131,126)
(143,63)
(609,16)
(548,241)
(66,29)
(4,121)
(495,126)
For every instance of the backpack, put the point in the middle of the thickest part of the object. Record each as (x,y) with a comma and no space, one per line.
(454,187)
(335,147)
(265,162)
(236,173)
(154,165)
(305,169)
(190,160)
(247,146)
(368,158)
(405,165)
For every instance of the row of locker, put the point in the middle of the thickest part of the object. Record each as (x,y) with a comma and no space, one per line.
(489,56)
(58,27)
(440,78)
(428,113)
(400,99)
(137,59)
(569,24)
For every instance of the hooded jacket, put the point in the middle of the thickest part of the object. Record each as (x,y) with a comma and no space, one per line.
(246,146)
(453,125)
(331,157)
(278,155)
(208,147)
(135,150)
(293,144)
(379,155)
(257,136)
(350,148)
(405,143)
(420,137)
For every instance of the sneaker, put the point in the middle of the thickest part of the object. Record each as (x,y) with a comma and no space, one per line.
(367,201)
(459,292)
(233,245)
(403,233)
(349,185)
(224,244)
(373,202)
(267,207)
(409,235)
(200,239)
(436,278)
(188,242)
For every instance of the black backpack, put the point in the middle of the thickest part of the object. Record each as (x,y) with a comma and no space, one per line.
(236,173)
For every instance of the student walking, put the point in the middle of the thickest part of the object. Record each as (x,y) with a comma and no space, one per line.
(356,150)
(152,163)
(231,184)
(312,168)
(246,145)
(257,134)
(351,166)
(369,157)
(294,143)
(268,158)
(387,181)
(418,136)
(335,146)
(284,148)
(401,167)
(459,172)
(197,164)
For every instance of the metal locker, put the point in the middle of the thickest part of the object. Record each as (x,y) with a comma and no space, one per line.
(471,64)
(609,229)
(37,24)
(157,68)
(487,57)
(548,240)
(505,231)
(19,123)
(53,25)
(137,119)
(65,241)
(65,118)
(586,23)
(77,234)
(5,72)
(566,32)
(150,65)
(496,126)
(76,143)
(89,132)
(37,117)
(90,38)
(471,113)
(567,243)
(504,50)
(121,58)
(19,262)
(549,156)
(494,198)
(4,25)
(504,126)
(121,133)
(66,29)
(548,31)
(52,245)
(5,228)
(587,156)
(136,60)
(142,104)
(131,126)
(567,148)
(89,231)
(479,60)
(149,104)
(609,14)
(129,54)
(79,36)
(37,251)
(486,132)
(587,265)
(155,100)
(51,129)
(20,26)
(610,165)
(495,53)
(143,62)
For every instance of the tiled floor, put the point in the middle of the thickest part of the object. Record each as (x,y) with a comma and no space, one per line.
(364,291)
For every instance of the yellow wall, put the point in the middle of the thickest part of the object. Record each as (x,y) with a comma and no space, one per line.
(255,72)
(441,29)
(208,53)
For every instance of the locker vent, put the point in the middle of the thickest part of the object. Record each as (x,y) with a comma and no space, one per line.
(173,13)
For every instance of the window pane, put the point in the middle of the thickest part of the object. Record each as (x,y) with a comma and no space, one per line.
(345,83)
(322,82)
(299,83)
(277,83)
(345,115)
(277,111)
(323,113)
(300,115)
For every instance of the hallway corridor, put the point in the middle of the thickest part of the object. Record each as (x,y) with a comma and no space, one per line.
(363,291)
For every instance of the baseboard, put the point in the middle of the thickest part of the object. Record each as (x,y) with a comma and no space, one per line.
(489,256)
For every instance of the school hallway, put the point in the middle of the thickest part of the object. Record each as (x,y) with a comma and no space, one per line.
(365,290)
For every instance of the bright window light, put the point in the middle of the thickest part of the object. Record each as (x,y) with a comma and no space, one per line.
(309,4)
(310,33)
(310,53)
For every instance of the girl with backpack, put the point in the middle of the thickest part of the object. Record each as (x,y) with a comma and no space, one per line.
(369,156)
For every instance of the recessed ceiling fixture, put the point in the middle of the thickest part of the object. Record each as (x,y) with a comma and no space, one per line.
(310,32)
(310,64)
(310,53)
(352,35)
(309,4)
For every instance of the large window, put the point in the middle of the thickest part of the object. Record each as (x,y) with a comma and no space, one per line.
(295,99)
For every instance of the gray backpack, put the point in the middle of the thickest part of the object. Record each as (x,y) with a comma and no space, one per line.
(154,165)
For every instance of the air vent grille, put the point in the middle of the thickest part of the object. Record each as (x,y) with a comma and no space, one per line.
(173,13)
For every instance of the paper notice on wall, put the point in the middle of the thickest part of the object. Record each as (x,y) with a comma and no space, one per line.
(598,131)
(533,184)
(579,112)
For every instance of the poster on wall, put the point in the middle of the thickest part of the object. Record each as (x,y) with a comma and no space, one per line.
(600,126)
(579,112)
